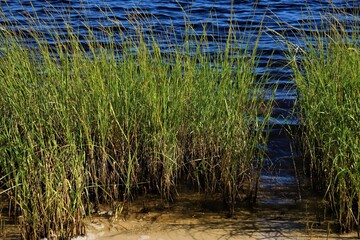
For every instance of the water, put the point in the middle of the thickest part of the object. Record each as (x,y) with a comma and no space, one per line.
(276,16)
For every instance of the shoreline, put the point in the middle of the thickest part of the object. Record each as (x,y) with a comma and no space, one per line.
(194,218)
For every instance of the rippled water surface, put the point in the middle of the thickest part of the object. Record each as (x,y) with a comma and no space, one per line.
(275,15)
(281,16)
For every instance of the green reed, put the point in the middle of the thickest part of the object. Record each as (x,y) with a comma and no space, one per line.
(83,125)
(328,79)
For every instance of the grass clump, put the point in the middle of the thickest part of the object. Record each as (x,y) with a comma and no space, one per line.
(328,79)
(87,123)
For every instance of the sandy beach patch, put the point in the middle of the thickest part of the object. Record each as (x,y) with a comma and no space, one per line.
(192,218)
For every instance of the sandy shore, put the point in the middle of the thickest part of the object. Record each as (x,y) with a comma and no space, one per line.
(146,230)
(198,220)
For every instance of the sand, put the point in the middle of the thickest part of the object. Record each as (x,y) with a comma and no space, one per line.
(216,230)
(195,219)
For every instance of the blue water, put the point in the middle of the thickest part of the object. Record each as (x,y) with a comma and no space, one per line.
(275,16)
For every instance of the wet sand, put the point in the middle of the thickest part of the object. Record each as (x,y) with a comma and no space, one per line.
(161,231)
(196,219)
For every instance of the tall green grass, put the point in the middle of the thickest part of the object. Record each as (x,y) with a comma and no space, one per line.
(328,79)
(82,125)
